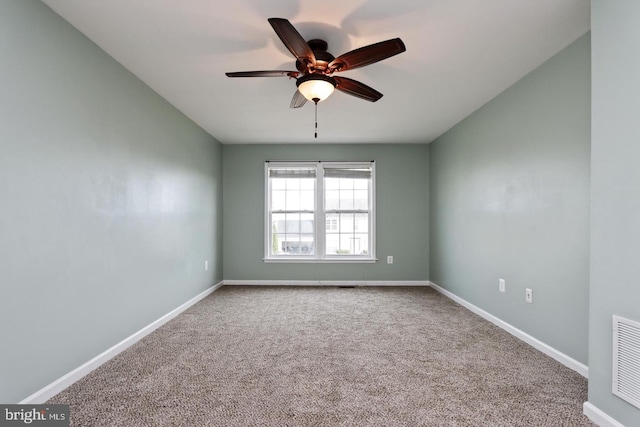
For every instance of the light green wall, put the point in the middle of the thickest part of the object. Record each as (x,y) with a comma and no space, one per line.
(615,192)
(401,202)
(509,199)
(109,201)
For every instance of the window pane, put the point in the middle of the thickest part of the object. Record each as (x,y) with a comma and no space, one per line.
(331,183)
(332,200)
(361,200)
(307,184)
(346,223)
(307,246)
(278,200)
(361,244)
(332,244)
(306,223)
(278,223)
(361,184)
(307,200)
(278,183)
(291,244)
(346,184)
(332,222)
(293,200)
(293,184)
(353,244)
(277,233)
(292,223)
(346,199)
(346,244)
(361,223)
(298,244)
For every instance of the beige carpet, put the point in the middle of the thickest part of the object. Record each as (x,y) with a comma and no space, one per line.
(285,356)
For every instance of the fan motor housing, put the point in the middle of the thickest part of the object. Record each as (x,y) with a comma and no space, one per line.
(323,58)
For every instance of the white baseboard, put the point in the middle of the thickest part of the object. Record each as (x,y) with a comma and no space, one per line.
(65,381)
(599,417)
(567,361)
(326,283)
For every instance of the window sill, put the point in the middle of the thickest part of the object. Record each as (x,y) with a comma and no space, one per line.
(320,260)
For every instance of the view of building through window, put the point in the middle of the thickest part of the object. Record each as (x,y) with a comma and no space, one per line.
(319,211)
(346,204)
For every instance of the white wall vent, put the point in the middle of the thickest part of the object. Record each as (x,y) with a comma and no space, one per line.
(626,360)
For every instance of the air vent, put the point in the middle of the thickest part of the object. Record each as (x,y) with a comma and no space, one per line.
(626,360)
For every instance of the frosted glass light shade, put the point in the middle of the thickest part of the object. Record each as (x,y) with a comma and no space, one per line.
(316,86)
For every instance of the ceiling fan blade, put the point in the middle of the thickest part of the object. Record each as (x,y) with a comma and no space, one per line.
(357,89)
(270,73)
(292,39)
(367,55)
(298,100)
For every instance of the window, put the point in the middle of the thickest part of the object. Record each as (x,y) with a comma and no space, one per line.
(319,211)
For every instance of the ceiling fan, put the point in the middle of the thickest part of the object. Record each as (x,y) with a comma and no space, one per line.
(315,66)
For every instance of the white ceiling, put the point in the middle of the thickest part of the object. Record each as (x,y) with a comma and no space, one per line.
(460,54)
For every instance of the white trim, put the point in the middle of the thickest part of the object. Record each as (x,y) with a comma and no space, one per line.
(598,416)
(66,380)
(319,213)
(372,213)
(567,361)
(302,260)
(325,283)
(266,213)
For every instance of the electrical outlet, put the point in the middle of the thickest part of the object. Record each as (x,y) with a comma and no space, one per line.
(528,295)
(390,259)
(501,285)
(206,265)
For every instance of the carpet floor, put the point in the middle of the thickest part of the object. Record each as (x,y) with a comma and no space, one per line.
(287,356)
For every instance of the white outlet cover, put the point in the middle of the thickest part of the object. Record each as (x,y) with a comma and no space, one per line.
(502,285)
(528,296)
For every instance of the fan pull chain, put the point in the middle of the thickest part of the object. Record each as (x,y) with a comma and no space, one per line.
(315,100)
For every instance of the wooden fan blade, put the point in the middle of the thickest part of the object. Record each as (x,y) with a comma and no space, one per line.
(293,40)
(355,88)
(367,55)
(270,73)
(298,100)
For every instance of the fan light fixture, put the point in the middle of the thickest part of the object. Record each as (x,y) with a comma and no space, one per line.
(316,87)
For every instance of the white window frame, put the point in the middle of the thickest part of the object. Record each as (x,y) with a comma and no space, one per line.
(320,221)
